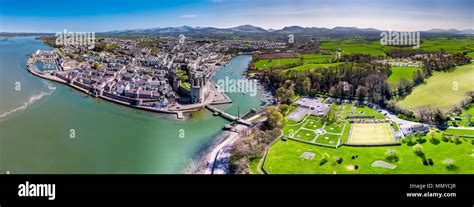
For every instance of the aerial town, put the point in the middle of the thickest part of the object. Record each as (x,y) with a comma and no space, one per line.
(174,80)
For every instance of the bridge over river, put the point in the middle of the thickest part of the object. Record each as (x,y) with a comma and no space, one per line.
(228,116)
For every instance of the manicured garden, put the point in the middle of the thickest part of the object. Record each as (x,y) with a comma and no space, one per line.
(419,156)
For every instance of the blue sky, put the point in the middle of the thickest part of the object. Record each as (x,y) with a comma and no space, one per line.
(107,15)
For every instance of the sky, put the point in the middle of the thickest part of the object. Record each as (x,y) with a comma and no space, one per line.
(109,15)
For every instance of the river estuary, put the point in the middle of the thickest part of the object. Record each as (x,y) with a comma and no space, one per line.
(38,119)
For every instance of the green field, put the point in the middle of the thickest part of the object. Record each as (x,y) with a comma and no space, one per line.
(471,54)
(443,90)
(448,45)
(268,63)
(314,59)
(466,132)
(284,157)
(401,72)
(350,47)
(312,66)
(379,133)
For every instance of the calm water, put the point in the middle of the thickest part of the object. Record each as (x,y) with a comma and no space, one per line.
(36,124)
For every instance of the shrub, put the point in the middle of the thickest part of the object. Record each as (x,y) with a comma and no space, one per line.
(410,140)
(456,140)
(434,140)
(391,155)
(425,161)
(444,137)
(324,159)
(430,162)
(418,150)
(450,165)
(356,167)
(338,159)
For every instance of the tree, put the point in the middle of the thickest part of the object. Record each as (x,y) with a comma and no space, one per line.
(432,137)
(361,93)
(284,108)
(391,155)
(274,120)
(439,117)
(450,165)
(96,65)
(306,85)
(418,149)
(285,95)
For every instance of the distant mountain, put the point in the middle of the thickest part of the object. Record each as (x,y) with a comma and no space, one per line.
(451,31)
(250,29)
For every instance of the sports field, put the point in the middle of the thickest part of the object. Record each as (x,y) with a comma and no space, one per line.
(443,90)
(373,133)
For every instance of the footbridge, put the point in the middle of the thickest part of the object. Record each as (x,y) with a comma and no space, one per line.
(228,116)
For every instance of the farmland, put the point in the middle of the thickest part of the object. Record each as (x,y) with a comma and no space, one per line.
(443,90)
(401,72)
(306,59)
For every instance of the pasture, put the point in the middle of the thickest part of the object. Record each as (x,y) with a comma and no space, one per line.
(402,72)
(443,90)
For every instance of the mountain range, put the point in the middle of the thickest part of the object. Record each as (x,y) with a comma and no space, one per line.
(297,30)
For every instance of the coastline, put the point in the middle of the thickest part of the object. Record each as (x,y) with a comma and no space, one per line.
(212,160)
(179,113)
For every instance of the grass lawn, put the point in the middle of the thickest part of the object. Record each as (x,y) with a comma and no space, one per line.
(378,133)
(304,134)
(312,66)
(440,91)
(459,131)
(253,165)
(395,126)
(267,63)
(345,133)
(313,124)
(334,127)
(328,139)
(186,86)
(306,130)
(471,54)
(314,59)
(401,72)
(284,157)
(352,110)
(288,130)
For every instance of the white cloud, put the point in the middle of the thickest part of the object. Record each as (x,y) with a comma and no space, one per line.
(188,16)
